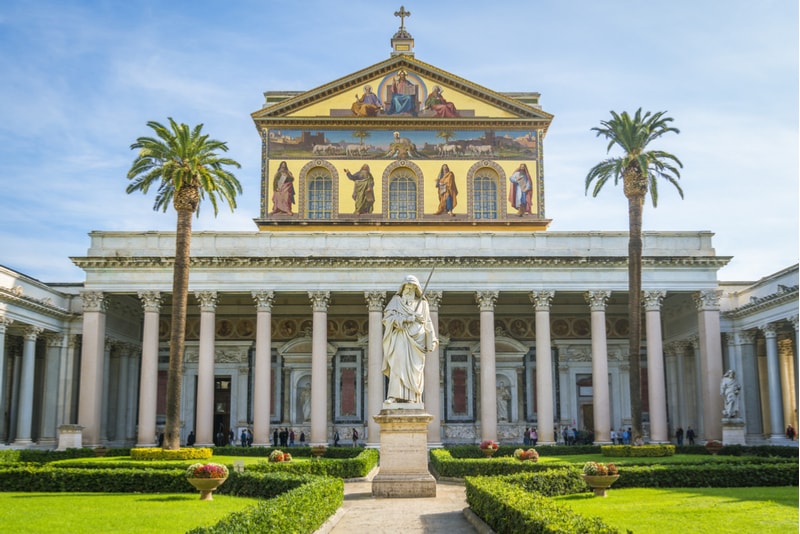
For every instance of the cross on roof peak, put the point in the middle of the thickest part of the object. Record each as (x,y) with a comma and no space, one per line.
(402,14)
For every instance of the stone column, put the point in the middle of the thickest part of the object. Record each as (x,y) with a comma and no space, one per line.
(90,409)
(5,322)
(66,380)
(776,430)
(133,393)
(25,413)
(486,300)
(680,372)
(375,396)
(600,395)
(707,303)
(657,394)
(262,392)
(432,393)
(670,366)
(204,423)
(123,385)
(544,365)
(747,374)
(148,383)
(319,364)
(50,401)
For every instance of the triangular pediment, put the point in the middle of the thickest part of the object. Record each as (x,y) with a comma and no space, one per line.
(469,100)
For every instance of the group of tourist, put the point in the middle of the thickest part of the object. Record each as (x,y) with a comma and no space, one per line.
(285,437)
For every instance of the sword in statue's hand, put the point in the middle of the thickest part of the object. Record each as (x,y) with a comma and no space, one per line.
(424,289)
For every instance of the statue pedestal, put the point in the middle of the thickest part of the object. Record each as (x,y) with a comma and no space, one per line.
(404,452)
(70,437)
(733,432)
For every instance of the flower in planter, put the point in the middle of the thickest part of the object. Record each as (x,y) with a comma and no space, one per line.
(599,469)
(489,444)
(209,470)
(276,456)
(523,455)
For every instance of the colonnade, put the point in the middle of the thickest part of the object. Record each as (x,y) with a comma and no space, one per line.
(661,397)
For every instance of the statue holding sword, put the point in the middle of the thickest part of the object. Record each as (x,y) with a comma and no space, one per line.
(408,335)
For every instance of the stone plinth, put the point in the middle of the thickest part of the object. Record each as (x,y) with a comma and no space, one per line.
(733,432)
(404,452)
(70,437)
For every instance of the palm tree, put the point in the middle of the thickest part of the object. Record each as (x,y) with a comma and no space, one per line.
(639,169)
(186,167)
(360,135)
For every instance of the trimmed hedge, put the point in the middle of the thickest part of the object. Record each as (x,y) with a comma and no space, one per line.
(445,465)
(13,456)
(708,475)
(473,451)
(296,451)
(157,453)
(642,451)
(509,508)
(295,503)
(301,509)
(348,467)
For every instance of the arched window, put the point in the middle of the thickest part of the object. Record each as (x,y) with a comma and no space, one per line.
(486,191)
(402,195)
(320,194)
(484,195)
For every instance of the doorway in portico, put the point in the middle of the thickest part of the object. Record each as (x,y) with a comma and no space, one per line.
(222,408)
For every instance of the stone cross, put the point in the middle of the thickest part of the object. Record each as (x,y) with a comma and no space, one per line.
(402,14)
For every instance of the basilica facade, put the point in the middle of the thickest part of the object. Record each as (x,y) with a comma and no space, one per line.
(400,168)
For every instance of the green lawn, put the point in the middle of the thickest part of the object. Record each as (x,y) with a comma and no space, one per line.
(92,513)
(693,510)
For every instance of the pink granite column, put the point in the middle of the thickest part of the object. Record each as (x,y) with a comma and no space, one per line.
(319,367)
(544,366)
(657,394)
(600,395)
(148,381)
(262,391)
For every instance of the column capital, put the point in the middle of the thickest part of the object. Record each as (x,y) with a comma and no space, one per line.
(264,300)
(5,322)
(597,299)
(486,299)
(744,337)
(434,299)
(319,300)
(652,299)
(151,301)
(541,299)
(707,300)
(795,320)
(770,330)
(208,300)
(94,301)
(30,333)
(56,340)
(375,300)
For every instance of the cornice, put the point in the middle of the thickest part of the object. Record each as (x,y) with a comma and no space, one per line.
(785,295)
(43,306)
(239,262)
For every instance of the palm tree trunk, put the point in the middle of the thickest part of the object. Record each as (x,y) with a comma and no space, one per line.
(635,203)
(180,297)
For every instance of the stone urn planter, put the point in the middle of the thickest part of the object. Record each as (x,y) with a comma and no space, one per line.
(317,451)
(206,486)
(489,452)
(600,483)
(713,446)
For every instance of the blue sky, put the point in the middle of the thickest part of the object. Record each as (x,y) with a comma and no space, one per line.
(80,80)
